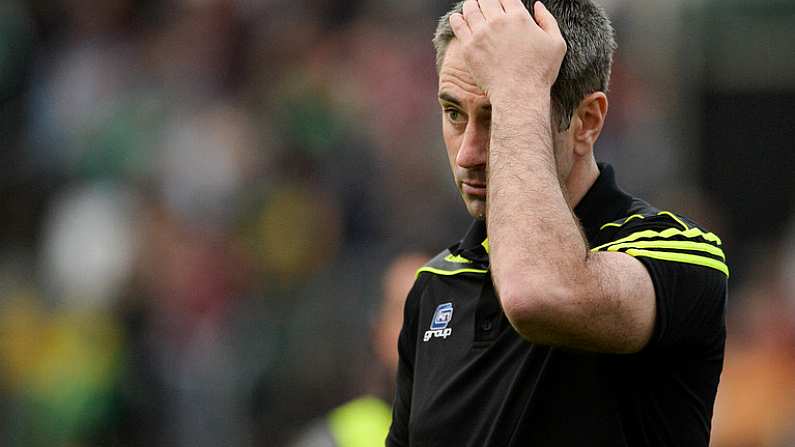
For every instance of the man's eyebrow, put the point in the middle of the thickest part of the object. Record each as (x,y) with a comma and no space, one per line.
(446,97)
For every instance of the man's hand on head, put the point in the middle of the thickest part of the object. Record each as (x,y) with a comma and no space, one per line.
(506,49)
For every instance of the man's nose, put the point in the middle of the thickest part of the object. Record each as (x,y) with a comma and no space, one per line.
(473,152)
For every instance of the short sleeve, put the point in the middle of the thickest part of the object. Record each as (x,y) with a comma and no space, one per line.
(401,407)
(688,268)
(691,303)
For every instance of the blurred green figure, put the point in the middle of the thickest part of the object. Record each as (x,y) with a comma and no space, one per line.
(364,421)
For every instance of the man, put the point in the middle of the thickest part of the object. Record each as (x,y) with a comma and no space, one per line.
(587,317)
(364,421)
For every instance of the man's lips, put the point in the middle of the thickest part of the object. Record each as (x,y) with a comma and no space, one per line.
(474,188)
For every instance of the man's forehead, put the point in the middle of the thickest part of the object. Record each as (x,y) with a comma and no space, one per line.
(455,81)
(454,65)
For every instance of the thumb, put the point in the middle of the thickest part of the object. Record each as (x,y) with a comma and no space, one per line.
(545,19)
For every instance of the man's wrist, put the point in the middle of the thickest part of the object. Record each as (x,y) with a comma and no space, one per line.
(522,108)
(520,93)
(522,119)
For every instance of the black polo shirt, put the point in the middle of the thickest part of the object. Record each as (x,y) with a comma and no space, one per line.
(466,378)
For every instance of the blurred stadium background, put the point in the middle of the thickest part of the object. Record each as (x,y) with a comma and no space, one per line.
(199,198)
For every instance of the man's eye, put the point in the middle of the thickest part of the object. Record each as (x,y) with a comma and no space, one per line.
(453,115)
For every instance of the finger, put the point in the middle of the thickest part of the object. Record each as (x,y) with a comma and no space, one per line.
(546,20)
(473,15)
(460,27)
(491,9)
(512,6)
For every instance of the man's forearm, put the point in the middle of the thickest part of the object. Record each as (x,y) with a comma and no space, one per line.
(535,241)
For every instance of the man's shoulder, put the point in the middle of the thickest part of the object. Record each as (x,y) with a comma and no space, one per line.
(648,232)
(643,215)
(445,263)
(644,221)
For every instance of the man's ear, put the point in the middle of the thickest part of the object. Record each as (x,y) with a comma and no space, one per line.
(590,116)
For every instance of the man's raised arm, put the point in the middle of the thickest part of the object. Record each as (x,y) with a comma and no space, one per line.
(551,287)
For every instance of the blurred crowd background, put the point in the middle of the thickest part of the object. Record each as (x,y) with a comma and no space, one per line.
(199,199)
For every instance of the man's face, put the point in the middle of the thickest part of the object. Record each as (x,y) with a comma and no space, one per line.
(466,123)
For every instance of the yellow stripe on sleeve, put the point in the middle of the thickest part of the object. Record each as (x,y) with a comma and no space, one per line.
(680,245)
(613,224)
(673,216)
(681,257)
(641,216)
(665,234)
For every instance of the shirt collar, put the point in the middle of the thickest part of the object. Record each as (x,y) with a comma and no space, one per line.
(473,245)
(604,202)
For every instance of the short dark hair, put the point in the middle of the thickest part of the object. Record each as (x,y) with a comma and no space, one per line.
(586,67)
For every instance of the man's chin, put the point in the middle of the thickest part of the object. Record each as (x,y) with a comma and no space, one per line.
(476,208)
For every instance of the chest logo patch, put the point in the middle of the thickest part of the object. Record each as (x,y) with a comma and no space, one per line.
(441,318)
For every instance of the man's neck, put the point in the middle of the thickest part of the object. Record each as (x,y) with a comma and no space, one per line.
(582,176)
